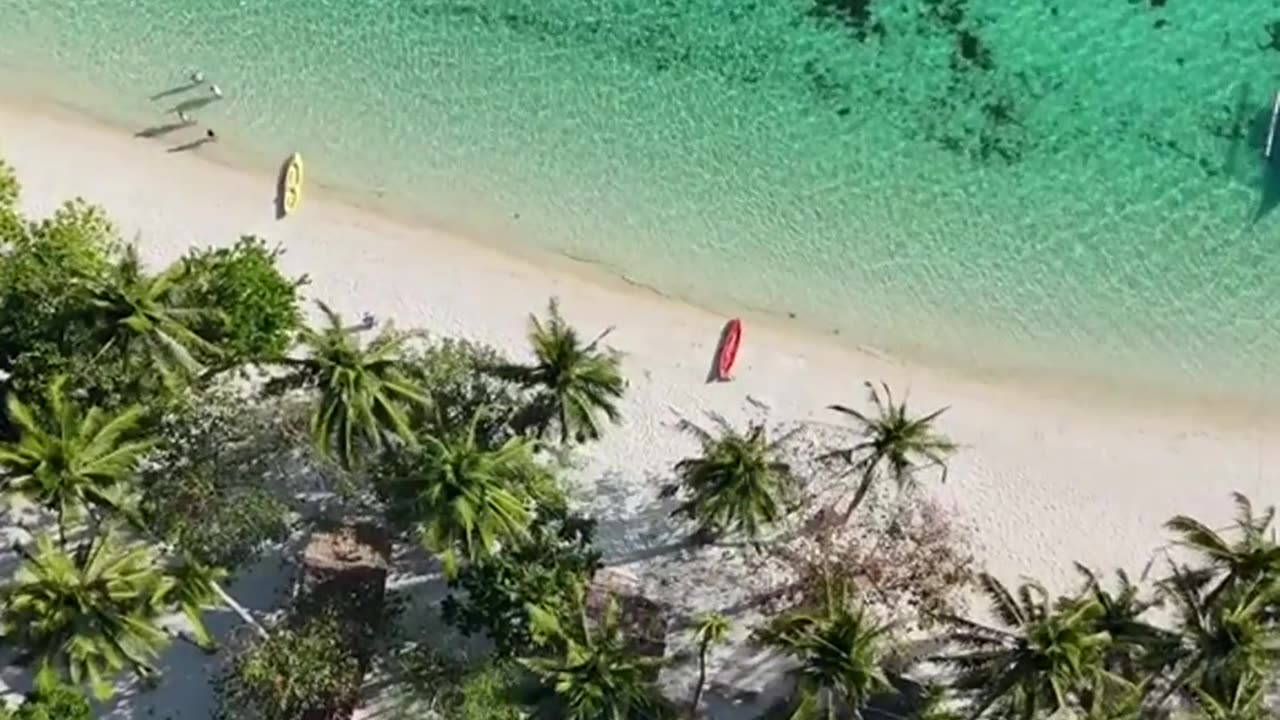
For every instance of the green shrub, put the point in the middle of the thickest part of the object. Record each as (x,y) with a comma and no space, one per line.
(298,669)
(487,693)
(451,371)
(257,304)
(42,293)
(214,484)
(51,700)
(492,594)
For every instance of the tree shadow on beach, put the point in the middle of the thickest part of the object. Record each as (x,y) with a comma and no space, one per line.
(626,537)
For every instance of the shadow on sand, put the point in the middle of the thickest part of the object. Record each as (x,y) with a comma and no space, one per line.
(177,90)
(284,173)
(189,146)
(156,131)
(713,372)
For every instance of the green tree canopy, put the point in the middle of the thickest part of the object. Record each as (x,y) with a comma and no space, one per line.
(463,499)
(258,307)
(70,461)
(300,668)
(147,319)
(576,384)
(738,483)
(591,673)
(362,393)
(1046,657)
(88,615)
(546,570)
(894,442)
(840,647)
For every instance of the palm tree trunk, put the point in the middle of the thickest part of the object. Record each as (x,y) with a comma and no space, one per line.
(240,610)
(859,495)
(702,680)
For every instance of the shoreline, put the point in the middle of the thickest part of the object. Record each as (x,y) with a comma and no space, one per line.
(359,261)
(1042,478)
(1241,409)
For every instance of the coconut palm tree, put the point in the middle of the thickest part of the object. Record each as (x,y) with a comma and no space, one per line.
(1254,557)
(1138,647)
(593,673)
(840,647)
(463,498)
(1045,658)
(362,392)
(142,314)
(1230,645)
(893,442)
(736,484)
(91,614)
(70,461)
(712,629)
(576,384)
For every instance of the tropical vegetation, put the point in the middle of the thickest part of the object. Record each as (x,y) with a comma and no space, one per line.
(164,431)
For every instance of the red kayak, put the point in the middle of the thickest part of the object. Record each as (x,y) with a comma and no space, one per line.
(729,341)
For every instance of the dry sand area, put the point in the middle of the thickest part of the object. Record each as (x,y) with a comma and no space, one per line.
(1045,476)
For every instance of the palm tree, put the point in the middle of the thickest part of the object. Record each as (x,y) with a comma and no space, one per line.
(712,630)
(840,649)
(1230,646)
(575,383)
(1137,646)
(1045,658)
(594,674)
(737,483)
(363,392)
(463,496)
(70,461)
(893,442)
(1254,557)
(142,312)
(89,615)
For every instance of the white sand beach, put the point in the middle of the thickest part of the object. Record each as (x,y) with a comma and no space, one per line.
(1046,476)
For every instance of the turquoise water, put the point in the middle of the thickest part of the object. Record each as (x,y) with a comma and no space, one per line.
(1069,188)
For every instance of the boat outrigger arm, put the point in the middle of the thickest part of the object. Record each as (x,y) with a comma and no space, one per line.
(1271,132)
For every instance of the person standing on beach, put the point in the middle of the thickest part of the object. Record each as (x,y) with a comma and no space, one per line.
(217,91)
(185,118)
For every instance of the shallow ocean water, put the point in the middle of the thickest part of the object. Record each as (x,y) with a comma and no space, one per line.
(1010,186)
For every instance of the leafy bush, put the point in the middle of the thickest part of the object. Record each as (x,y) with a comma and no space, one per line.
(489,690)
(298,669)
(213,486)
(42,300)
(51,700)
(258,306)
(544,571)
(452,373)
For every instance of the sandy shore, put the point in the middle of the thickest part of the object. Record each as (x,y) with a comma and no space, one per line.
(1043,479)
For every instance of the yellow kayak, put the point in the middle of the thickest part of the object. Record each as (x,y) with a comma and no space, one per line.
(291,185)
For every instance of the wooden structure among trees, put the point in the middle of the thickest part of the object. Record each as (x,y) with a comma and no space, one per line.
(344,572)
